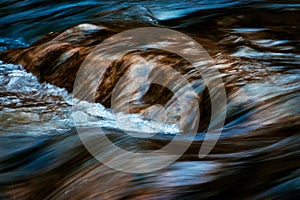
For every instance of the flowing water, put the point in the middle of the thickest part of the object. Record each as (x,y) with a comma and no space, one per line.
(255,46)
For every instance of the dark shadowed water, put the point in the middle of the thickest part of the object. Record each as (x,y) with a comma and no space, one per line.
(255,46)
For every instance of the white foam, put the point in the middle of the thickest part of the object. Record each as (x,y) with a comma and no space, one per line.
(33,107)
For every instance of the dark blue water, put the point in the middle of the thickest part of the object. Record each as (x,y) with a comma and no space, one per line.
(255,44)
(32,19)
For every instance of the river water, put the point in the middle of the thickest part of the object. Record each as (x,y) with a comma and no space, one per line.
(256,47)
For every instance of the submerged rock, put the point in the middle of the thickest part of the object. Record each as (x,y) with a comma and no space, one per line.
(57,57)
